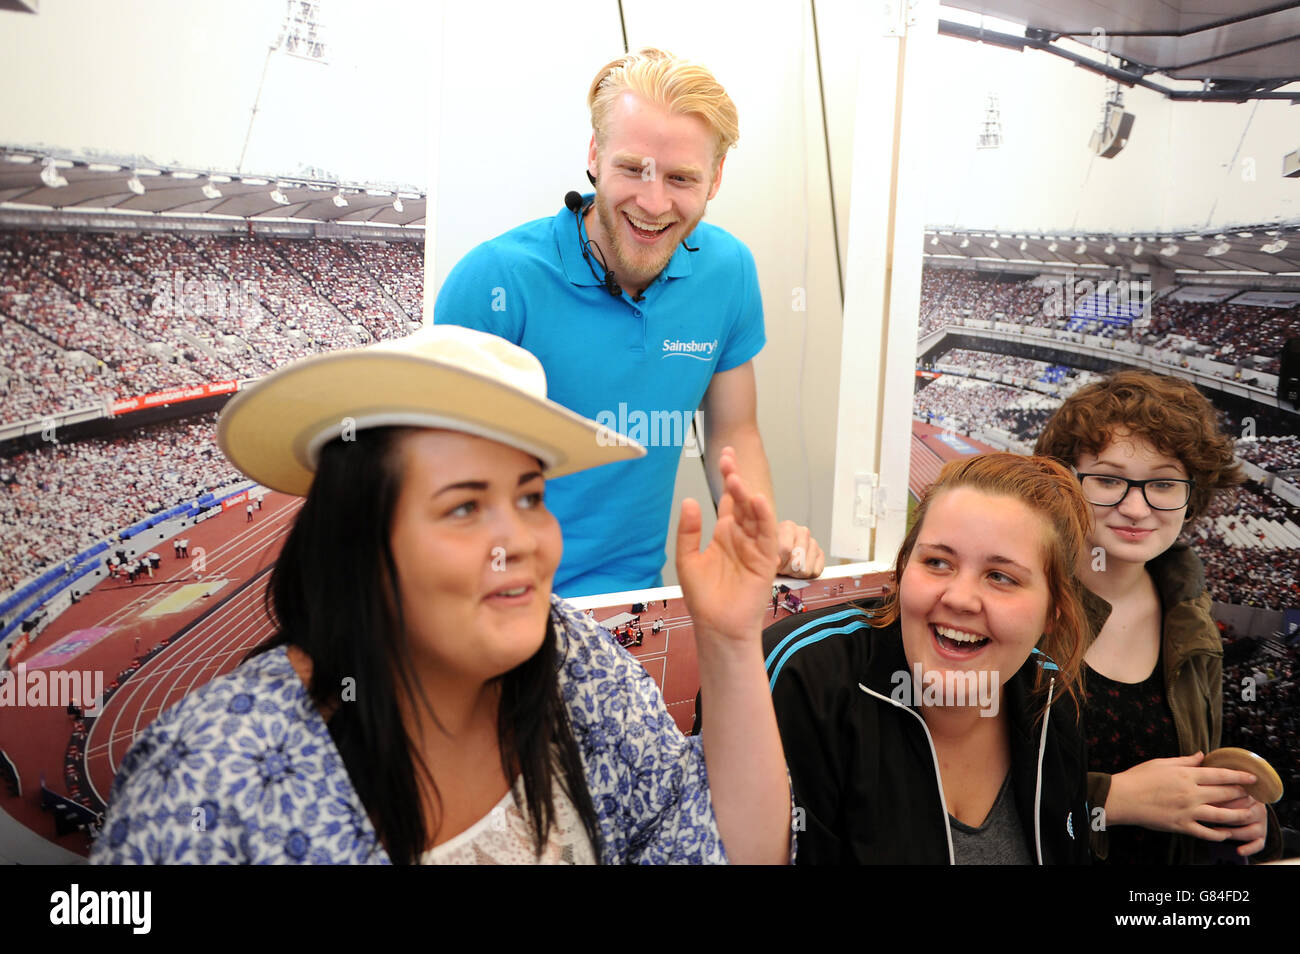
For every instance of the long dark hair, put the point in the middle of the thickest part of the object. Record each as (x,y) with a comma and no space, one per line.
(334,595)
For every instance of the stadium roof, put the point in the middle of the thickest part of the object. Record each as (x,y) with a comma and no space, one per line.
(1238,49)
(1244,253)
(94,184)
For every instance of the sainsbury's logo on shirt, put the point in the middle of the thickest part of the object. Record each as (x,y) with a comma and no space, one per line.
(699,350)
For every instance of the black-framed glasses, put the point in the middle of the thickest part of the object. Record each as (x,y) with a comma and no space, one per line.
(1160,493)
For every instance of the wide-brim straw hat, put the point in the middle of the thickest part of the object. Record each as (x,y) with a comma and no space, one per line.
(442,376)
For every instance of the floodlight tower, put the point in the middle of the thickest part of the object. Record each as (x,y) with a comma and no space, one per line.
(302,34)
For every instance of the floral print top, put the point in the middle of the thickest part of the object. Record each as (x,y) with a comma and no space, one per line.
(244,771)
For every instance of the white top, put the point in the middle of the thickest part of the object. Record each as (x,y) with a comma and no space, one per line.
(504,836)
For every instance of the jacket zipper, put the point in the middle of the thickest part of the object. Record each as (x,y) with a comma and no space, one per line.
(943,802)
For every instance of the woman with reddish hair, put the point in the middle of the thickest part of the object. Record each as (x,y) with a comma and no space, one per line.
(941,726)
(1149,457)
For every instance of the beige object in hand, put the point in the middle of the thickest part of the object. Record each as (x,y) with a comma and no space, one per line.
(1267,787)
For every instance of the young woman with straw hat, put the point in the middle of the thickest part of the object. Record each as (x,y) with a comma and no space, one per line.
(426,698)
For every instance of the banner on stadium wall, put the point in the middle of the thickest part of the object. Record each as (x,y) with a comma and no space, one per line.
(236,500)
(158,398)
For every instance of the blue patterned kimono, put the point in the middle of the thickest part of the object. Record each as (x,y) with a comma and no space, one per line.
(244,771)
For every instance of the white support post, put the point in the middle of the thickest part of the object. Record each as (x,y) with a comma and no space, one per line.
(883,284)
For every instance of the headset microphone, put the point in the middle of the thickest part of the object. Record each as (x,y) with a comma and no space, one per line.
(573,202)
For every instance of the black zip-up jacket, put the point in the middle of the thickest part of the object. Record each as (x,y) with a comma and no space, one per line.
(863,767)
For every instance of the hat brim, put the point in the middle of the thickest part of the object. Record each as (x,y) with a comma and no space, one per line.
(273,430)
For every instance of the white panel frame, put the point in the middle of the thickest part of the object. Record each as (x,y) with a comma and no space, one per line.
(883,284)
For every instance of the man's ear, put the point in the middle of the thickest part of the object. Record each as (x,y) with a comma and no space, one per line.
(717,179)
(593,158)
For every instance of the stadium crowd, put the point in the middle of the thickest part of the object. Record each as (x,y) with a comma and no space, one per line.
(1217,331)
(88,317)
(1262,576)
(991,362)
(1277,455)
(339,276)
(61,498)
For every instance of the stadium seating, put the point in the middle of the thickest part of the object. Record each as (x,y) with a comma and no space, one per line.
(88,317)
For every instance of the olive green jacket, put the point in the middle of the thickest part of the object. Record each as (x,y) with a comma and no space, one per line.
(1192,650)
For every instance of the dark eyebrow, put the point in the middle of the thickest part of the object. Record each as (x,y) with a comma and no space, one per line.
(481,485)
(995,558)
(463,485)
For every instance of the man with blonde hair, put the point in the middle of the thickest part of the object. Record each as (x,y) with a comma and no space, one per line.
(640,314)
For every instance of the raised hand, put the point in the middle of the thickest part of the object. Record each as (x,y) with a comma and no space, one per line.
(1177,795)
(727,585)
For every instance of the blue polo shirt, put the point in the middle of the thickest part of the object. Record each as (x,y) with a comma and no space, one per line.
(640,367)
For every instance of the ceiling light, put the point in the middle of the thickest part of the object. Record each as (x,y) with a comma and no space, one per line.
(993,244)
(1023,245)
(339,200)
(1246,234)
(1137,249)
(1170,249)
(1081,248)
(965,241)
(135,185)
(278,196)
(1274,247)
(1218,248)
(934,240)
(1110,249)
(211,191)
(50,175)
(397,203)
(1051,246)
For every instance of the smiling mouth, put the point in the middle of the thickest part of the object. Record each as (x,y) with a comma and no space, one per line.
(957,641)
(646,230)
(512,595)
(1135,533)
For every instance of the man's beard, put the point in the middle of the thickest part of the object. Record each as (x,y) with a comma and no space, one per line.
(635,265)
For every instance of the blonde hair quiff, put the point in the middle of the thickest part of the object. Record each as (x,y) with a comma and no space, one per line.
(671,83)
